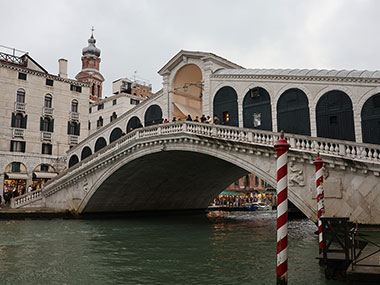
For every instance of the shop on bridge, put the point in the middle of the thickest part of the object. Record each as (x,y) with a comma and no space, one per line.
(41,174)
(15,177)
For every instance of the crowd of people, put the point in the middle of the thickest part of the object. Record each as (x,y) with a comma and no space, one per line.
(240,201)
(15,188)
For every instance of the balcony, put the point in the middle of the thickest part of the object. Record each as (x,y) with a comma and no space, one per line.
(18,132)
(46,136)
(73,139)
(20,107)
(74,116)
(46,111)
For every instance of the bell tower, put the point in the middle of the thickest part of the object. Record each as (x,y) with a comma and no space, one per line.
(90,69)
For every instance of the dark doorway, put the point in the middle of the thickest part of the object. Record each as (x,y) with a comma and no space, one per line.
(133,123)
(86,152)
(371,120)
(226,106)
(257,112)
(73,160)
(100,143)
(115,134)
(335,118)
(153,115)
(293,114)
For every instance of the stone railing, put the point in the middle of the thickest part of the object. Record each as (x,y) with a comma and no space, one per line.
(74,116)
(336,148)
(73,139)
(46,136)
(47,111)
(18,132)
(20,107)
(26,198)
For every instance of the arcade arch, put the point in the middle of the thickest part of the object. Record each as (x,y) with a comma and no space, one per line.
(133,123)
(370,115)
(100,143)
(86,152)
(187,92)
(226,106)
(257,111)
(153,115)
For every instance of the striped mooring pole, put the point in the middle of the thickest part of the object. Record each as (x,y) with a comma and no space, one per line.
(282,148)
(320,197)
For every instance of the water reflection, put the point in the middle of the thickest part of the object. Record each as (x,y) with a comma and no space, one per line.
(220,247)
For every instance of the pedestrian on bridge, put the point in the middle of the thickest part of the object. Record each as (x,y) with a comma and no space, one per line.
(189,118)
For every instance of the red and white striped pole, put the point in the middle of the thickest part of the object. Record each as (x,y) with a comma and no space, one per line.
(320,197)
(282,148)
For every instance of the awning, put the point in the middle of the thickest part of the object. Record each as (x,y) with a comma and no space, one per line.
(186,110)
(231,193)
(16,175)
(45,174)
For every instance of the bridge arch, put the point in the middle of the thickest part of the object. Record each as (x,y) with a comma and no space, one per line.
(86,152)
(187,91)
(370,117)
(115,134)
(225,106)
(133,123)
(257,112)
(166,185)
(335,117)
(100,143)
(293,114)
(73,160)
(153,115)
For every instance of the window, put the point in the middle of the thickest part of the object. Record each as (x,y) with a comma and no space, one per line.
(46,149)
(75,88)
(73,128)
(93,89)
(114,102)
(113,117)
(89,125)
(98,90)
(90,110)
(49,82)
(134,102)
(17,146)
(20,98)
(19,121)
(74,106)
(46,125)
(44,168)
(16,167)
(22,76)
(100,107)
(256,181)
(236,184)
(99,122)
(48,101)
(247,180)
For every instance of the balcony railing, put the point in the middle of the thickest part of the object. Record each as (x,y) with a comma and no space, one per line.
(74,116)
(20,107)
(46,136)
(17,132)
(47,111)
(73,139)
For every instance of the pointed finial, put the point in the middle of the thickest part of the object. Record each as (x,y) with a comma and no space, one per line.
(92,30)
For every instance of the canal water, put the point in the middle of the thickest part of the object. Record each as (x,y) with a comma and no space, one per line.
(214,248)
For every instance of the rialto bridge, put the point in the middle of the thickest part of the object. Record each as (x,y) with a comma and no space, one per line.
(331,112)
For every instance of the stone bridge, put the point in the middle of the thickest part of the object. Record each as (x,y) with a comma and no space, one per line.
(184,165)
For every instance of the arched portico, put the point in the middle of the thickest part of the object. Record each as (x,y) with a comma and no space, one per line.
(187,92)
(257,111)
(370,115)
(226,106)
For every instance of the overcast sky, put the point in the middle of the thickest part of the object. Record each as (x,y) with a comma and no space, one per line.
(144,35)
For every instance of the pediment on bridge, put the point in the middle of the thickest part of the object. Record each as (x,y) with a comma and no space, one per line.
(184,55)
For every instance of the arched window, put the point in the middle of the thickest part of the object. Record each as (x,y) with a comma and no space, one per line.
(46,125)
(19,121)
(153,115)
(257,112)
(86,152)
(226,106)
(115,134)
(293,114)
(100,143)
(48,101)
(20,96)
(93,89)
(73,160)
(113,117)
(99,122)
(335,118)
(74,106)
(133,123)
(371,120)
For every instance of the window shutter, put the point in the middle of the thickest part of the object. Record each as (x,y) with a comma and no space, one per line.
(23,146)
(52,125)
(77,129)
(12,143)
(24,121)
(68,128)
(41,124)
(13,122)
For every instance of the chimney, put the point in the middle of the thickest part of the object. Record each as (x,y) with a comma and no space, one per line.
(62,67)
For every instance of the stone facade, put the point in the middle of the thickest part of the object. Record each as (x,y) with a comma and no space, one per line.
(25,88)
